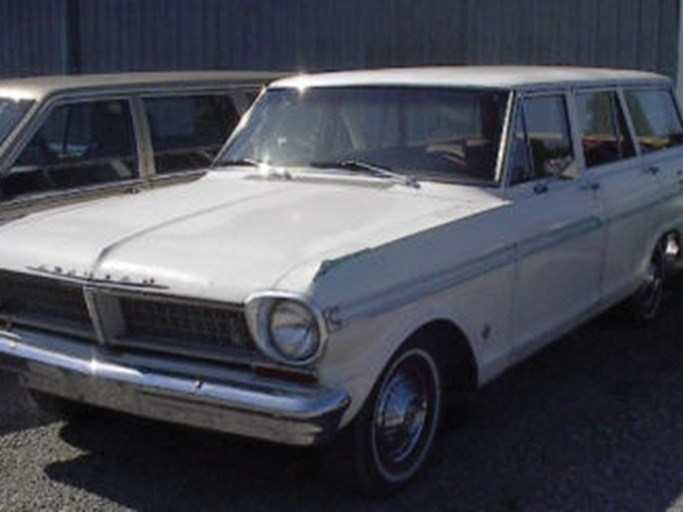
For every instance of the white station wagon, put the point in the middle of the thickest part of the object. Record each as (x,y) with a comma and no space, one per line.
(366,242)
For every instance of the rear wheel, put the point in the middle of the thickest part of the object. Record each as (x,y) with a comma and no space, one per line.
(395,431)
(645,304)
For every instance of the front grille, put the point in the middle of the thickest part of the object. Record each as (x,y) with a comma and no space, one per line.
(38,298)
(194,326)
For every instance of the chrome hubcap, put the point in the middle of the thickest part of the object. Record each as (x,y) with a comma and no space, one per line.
(401,414)
(651,292)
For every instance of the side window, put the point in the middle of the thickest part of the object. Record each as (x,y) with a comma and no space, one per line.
(78,145)
(655,119)
(604,135)
(188,131)
(541,144)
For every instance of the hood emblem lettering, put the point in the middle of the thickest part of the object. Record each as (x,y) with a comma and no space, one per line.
(89,278)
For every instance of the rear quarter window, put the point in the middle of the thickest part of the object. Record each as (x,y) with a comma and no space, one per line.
(655,119)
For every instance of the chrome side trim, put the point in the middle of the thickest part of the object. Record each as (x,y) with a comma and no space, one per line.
(415,289)
(285,413)
(408,292)
(412,290)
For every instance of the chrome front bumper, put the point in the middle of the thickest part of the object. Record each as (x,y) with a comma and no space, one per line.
(289,414)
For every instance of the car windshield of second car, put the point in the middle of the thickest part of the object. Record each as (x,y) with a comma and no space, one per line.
(436,134)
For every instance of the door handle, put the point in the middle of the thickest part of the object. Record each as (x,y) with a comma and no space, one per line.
(653,170)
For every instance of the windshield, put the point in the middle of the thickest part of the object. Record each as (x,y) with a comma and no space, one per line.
(11,113)
(430,133)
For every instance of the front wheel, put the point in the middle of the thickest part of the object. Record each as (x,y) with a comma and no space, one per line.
(395,431)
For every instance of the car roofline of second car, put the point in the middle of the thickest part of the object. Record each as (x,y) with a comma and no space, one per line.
(43,93)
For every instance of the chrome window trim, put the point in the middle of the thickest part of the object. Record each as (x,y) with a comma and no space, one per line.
(501,158)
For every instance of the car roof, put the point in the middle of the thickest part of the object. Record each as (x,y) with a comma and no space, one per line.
(471,76)
(42,86)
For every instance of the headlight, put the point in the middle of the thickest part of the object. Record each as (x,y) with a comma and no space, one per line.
(287,327)
(293,330)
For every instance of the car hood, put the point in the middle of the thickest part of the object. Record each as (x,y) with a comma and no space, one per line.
(230,233)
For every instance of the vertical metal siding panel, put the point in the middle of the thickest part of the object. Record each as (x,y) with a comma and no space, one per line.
(150,47)
(510,27)
(566,25)
(348,29)
(456,26)
(487,40)
(544,32)
(444,30)
(31,37)
(309,51)
(648,27)
(627,34)
(230,51)
(99,48)
(607,32)
(667,37)
(525,41)
(118,35)
(587,33)
(407,35)
(399,49)
(251,28)
(471,35)
(344,26)
(255,49)
(371,32)
(321,28)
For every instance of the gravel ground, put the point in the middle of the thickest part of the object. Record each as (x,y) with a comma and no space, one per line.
(592,423)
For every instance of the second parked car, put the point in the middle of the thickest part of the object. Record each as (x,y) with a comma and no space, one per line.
(70,138)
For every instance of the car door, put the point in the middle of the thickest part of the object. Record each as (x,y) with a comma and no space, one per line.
(629,189)
(556,217)
(658,131)
(78,150)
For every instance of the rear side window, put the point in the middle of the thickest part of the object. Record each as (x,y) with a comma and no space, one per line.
(188,131)
(655,119)
(78,145)
(541,144)
(604,135)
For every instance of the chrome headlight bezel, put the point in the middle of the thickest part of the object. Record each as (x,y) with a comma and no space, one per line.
(259,310)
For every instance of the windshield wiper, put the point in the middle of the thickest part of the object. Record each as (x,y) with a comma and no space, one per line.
(377,170)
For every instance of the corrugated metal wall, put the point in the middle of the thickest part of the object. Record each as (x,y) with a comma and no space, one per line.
(51,36)
(32,37)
